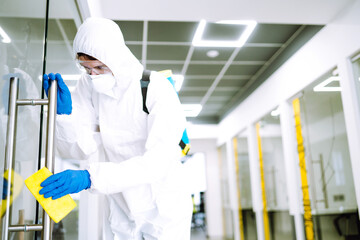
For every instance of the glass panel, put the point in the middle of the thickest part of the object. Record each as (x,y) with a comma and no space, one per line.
(60,59)
(21,53)
(356,67)
(274,176)
(244,173)
(327,155)
(249,220)
(225,197)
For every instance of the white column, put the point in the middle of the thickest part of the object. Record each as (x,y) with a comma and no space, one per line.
(291,160)
(255,180)
(352,118)
(230,160)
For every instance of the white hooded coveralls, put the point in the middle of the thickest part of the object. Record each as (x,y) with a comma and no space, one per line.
(142,177)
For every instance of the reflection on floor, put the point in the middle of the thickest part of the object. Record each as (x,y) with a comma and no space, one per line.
(198,234)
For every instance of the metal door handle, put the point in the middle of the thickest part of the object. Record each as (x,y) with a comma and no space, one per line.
(10,152)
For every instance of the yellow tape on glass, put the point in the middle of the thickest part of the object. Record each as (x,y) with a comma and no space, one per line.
(309,226)
(262,178)
(236,157)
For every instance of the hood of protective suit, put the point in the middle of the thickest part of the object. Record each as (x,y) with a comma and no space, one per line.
(102,39)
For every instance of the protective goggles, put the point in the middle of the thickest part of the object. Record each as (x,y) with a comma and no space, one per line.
(93,67)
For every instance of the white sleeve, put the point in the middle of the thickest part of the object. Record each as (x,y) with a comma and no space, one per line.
(77,134)
(166,123)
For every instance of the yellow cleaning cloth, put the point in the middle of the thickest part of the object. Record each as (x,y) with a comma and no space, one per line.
(56,209)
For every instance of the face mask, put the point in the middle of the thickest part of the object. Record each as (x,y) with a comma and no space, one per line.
(103,82)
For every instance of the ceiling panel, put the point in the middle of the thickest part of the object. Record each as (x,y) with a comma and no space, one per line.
(69,28)
(167,52)
(272,33)
(58,50)
(171,31)
(54,33)
(136,50)
(232,83)
(196,93)
(133,30)
(197,82)
(204,69)
(242,69)
(176,68)
(219,99)
(256,53)
(190,100)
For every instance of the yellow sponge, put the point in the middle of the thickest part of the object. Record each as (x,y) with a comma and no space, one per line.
(56,209)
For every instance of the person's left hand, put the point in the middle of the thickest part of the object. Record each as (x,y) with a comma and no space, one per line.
(64,183)
(64,103)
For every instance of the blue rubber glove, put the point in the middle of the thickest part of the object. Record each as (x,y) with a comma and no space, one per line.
(64,103)
(64,183)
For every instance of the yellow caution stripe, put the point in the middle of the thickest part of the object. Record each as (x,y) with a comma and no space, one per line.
(309,226)
(241,220)
(263,190)
(221,180)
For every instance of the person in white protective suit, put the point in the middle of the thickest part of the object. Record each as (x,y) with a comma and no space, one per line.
(142,177)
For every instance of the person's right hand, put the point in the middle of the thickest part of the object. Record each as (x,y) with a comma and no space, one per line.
(64,103)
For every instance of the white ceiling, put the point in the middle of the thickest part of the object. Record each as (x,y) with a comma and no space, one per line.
(263,11)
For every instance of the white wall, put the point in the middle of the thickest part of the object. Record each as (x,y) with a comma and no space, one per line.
(213,194)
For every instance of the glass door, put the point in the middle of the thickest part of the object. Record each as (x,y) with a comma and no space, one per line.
(328,163)
(21,54)
(27,38)
(280,221)
(228,223)
(244,185)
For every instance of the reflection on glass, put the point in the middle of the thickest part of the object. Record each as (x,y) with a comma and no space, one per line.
(244,184)
(280,221)
(328,159)
(21,56)
(60,59)
(225,197)
(356,67)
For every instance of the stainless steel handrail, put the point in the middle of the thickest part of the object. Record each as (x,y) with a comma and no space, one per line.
(32,102)
(50,151)
(26,228)
(10,153)
(10,148)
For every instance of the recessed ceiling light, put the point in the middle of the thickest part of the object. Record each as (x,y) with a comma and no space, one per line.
(199,42)
(212,53)
(322,87)
(191,110)
(5,37)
